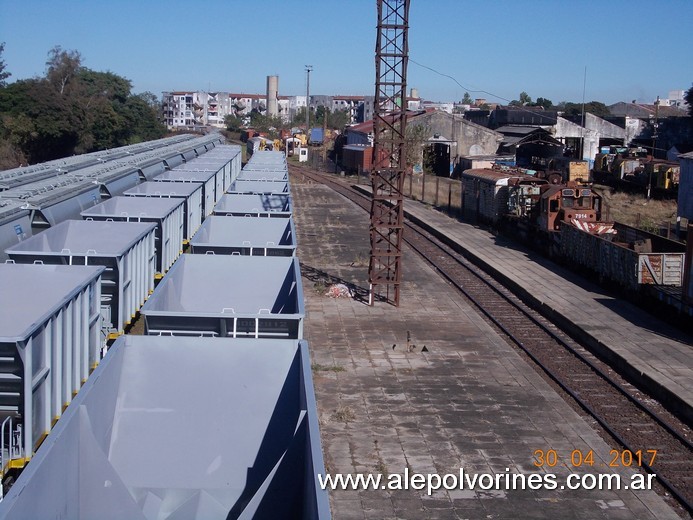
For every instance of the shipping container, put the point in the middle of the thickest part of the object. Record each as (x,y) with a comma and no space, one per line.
(50,337)
(126,249)
(262,187)
(627,256)
(245,236)
(317,136)
(167,214)
(192,428)
(228,296)
(191,193)
(254,205)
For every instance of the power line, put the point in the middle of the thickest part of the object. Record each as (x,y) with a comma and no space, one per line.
(458,83)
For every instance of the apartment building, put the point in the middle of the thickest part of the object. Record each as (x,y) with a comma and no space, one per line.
(182,109)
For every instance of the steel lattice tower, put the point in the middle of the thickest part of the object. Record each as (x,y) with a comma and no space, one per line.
(389,157)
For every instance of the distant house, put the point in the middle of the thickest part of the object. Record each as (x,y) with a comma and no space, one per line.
(446,137)
(525,116)
(645,111)
(596,132)
(532,146)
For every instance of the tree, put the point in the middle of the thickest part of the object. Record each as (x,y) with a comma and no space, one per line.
(72,109)
(338,119)
(300,116)
(319,117)
(233,123)
(575,109)
(3,73)
(266,124)
(688,97)
(467,99)
(61,67)
(524,100)
(142,112)
(38,121)
(99,100)
(543,102)
(415,136)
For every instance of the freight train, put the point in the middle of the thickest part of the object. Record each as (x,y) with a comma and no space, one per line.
(223,340)
(565,222)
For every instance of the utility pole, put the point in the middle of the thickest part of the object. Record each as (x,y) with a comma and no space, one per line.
(309,69)
(654,145)
(389,149)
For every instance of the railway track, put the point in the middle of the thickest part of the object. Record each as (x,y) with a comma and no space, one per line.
(637,424)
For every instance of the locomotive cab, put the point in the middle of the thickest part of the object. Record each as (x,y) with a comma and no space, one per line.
(567,203)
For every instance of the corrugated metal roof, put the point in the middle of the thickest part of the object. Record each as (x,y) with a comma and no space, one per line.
(500,177)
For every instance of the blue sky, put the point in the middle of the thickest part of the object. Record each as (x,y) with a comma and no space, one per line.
(632,49)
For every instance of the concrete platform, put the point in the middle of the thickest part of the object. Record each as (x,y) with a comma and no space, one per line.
(640,345)
(468,401)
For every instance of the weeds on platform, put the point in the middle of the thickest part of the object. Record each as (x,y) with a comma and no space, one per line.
(344,414)
(317,367)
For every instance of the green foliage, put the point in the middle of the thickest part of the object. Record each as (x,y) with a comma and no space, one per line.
(61,68)
(300,117)
(266,124)
(688,97)
(38,120)
(575,109)
(233,123)
(467,99)
(73,110)
(143,115)
(543,102)
(416,136)
(3,73)
(524,100)
(338,119)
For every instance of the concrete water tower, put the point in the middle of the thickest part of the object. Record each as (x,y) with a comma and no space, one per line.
(272,96)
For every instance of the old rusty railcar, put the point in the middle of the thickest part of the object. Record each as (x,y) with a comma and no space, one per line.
(567,203)
(624,255)
(486,192)
(357,157)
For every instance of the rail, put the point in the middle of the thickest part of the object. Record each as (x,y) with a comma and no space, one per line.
(588,382)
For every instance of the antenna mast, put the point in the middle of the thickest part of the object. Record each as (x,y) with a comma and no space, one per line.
(389,149)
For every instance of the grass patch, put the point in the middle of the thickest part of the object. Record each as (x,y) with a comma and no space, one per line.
(636,210)
(344,414)
(361,260)
(317,367)
(320,286)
